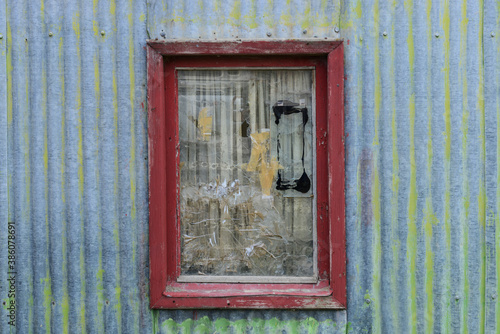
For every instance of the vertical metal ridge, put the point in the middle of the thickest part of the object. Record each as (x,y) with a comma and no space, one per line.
(126,165)
(140,204)
(108,168)
(41,306)
(5,97)
(492,170)
(73,166)
(475,166)
(91,203)
(351,18)
(441,287)
(368,164)
(377,198)
(21,164)
(402,127)
(55,136)
(388,171)
(423,152)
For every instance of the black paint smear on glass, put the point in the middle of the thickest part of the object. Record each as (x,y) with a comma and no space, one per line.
(285,107)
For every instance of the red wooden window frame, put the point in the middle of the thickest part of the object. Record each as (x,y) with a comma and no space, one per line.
(164,224)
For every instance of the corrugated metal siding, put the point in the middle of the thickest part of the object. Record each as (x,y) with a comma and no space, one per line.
(491,54)
(77,168)
(422,164)
(258,19)
(417,165)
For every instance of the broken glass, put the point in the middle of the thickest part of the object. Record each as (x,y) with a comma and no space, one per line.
(247,172)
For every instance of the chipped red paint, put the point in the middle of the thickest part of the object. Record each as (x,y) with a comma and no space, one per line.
(157,161)
(336,173)
(285,47)
(164,225)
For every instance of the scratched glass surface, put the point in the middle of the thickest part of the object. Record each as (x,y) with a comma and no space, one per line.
(246,172)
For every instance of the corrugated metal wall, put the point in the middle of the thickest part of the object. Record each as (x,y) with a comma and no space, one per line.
(422,164)
(420,259)
(76,168)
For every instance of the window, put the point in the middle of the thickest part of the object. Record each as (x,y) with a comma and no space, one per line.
(246,174)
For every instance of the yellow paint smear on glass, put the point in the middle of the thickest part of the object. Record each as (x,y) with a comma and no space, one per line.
(267,173)
(260,147)
(258,161)
(205,124)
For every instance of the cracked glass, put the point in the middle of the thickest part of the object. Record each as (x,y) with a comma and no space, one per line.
(247,206)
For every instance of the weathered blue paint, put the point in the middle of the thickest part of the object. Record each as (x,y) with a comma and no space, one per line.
(422,115)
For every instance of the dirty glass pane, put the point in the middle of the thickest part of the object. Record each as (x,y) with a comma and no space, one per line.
(246,172)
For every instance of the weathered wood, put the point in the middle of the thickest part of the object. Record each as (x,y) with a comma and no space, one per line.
(164,186)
